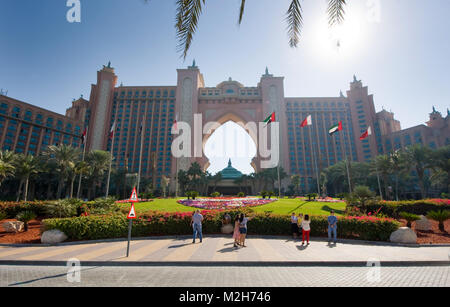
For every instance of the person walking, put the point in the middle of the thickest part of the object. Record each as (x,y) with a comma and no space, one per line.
(294,225)
(243,228)
(196,224)
(306,229)
(332,226)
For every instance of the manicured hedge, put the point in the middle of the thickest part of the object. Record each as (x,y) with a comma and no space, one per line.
(419,207)
(57,208)
(153,223)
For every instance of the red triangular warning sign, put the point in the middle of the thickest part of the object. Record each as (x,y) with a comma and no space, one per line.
(134,196)
(132,213)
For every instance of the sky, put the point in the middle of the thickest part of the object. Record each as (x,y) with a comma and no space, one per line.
(399,49)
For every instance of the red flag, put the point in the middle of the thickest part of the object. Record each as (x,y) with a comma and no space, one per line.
(113,129)
(366,134)
(307,122)
(83,136)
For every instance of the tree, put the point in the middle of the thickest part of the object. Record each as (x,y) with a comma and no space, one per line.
(26,166)
(440,163)
(216,179)
(6,165)
(419,158)
(98,161)
(64,158)
(295,180)
(360,197)
(189,11)
(384,166)
(398,164)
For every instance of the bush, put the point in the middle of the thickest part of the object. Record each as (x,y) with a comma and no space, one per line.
(409,217)
(419,207)
(63,208)
(156,223)
(439,216)
(215,194)
(12,209)
(264,194)
(312,196)
(3,215)
(241,194)
(25,217)
(102,205)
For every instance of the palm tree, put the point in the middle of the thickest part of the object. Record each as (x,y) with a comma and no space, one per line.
(26,166)
(189,11)
(440,162)
(295,180)
(98,161)
(6,165)
(64,157)
(398,165)
(384,166)
(419,158)
(216,179)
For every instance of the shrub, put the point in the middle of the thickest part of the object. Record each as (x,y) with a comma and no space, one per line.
(102,206)
(215,194)
(312,196)
(157,223)
(439,216)
(409,217)
(12,209)
(25,217)
(63,208)
(419,207)
(241,194)
(264,194)
(3,215)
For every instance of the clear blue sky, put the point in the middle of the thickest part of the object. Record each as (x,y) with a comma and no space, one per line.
(402,57)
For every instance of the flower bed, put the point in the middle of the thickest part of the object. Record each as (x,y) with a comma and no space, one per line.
(156,223)
(221,203)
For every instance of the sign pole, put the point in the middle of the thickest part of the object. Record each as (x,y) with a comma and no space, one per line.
(130,224)
(131,215)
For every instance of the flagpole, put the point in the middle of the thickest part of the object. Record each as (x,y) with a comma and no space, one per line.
(110,161)
(81,173)
(348,171)
(140,158)
(314,159)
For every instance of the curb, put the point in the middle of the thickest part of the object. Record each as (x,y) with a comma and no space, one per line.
(316,239)
(227,263)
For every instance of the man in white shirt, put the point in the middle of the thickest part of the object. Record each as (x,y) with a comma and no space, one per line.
(196,223)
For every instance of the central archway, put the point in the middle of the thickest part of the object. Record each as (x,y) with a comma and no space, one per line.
(230,142)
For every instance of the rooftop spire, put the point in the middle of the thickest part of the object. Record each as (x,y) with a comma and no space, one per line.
(229,162)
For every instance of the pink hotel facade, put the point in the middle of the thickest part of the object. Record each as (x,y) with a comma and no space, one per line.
(29,129)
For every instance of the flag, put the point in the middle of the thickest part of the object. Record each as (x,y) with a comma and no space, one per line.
(307,122)
(335,128)
(113,128)
(366,134)
(270,119)
(83,136)
(140,128)
(175,126)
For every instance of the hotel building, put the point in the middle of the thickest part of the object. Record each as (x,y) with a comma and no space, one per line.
(153,110)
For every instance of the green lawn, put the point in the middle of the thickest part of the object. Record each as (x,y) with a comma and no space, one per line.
(283,206)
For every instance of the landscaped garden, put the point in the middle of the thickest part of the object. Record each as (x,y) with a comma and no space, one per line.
(373,220)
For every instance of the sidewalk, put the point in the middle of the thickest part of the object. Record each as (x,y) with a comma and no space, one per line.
(219,250)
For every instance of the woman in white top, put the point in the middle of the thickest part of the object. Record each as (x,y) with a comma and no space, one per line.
(306,229)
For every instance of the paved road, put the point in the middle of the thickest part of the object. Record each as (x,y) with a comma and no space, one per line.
(170,276)
(220,249)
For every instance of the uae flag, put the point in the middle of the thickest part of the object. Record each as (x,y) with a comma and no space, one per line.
(175,126)
(113,128)
(366,134)
(83,136)
(307,122)
(270,119)
(335,128)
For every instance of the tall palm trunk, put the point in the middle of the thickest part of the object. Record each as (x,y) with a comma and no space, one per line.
(60,186)
(19,191)
(26,188)
(72,182)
